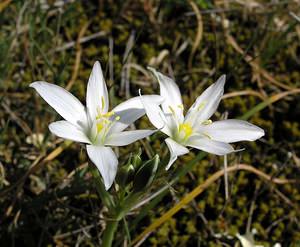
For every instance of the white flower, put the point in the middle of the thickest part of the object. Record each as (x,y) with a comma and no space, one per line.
(196,129)
(94,124)
(247,240)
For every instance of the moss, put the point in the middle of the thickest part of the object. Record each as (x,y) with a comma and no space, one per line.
(255,31)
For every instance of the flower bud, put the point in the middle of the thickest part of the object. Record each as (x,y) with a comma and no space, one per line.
(145,175)
(136,161)
(125,175)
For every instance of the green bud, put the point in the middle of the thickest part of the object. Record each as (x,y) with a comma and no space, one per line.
(136,161)
(125,175)
(145,175)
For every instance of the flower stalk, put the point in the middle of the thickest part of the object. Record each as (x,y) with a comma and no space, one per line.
(109,233)
(105,197)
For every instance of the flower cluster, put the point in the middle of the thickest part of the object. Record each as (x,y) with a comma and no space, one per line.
(101,129)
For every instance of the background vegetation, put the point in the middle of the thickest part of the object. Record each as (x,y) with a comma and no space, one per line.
(47,195)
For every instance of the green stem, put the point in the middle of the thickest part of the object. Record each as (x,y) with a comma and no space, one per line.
(109,232)
(106,198)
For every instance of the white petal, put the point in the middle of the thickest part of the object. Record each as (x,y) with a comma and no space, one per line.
(155,115)
(176,150)
(131,110)
(170,91)
(97,95)
(232,130)
(68,106)
(171,123)
(135,102)
(246,241)
(210,146)
(69,131)
(127,137)
(207,103)
(106,161)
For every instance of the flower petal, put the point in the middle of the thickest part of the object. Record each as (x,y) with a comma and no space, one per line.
(69,131)
(176,150)
(210,146)
(155,115)
(68,106)
(170,91)
(246,240)
(131,110)
(207,103)
(127,137)
(106,161)
(96,95)
(135,102)
(232,130)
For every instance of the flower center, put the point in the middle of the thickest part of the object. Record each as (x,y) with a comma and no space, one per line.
(185,130)
(104,121)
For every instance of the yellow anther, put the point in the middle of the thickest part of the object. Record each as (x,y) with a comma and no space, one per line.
(207,122)
(102,102)
(186,128)
(98,113)
(207,135)
(180,106)
(171,109)
(108,114)
(99,127)
(201,106)
(118,118)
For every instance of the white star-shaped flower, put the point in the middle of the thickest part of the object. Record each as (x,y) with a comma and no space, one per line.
(94,124)
(196,129)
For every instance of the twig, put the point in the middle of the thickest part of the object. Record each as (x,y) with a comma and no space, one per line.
(244,92)
(255,66)
(111,59)
(284,198)
(199,32)
(81,41)
(295,16)
(67,234)
(251,210)
(226,177)
(125,73)
(276,222)
(78,56)
(24,126)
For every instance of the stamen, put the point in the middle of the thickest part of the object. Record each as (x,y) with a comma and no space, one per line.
(109,124)
(180,106)
(207,122)
(201,106)
(207,135)
(99,127)
(172,110)
(98,112)
(102,102)
(105,122)
(108,114)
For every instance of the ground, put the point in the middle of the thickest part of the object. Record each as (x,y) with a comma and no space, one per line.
(47,195)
